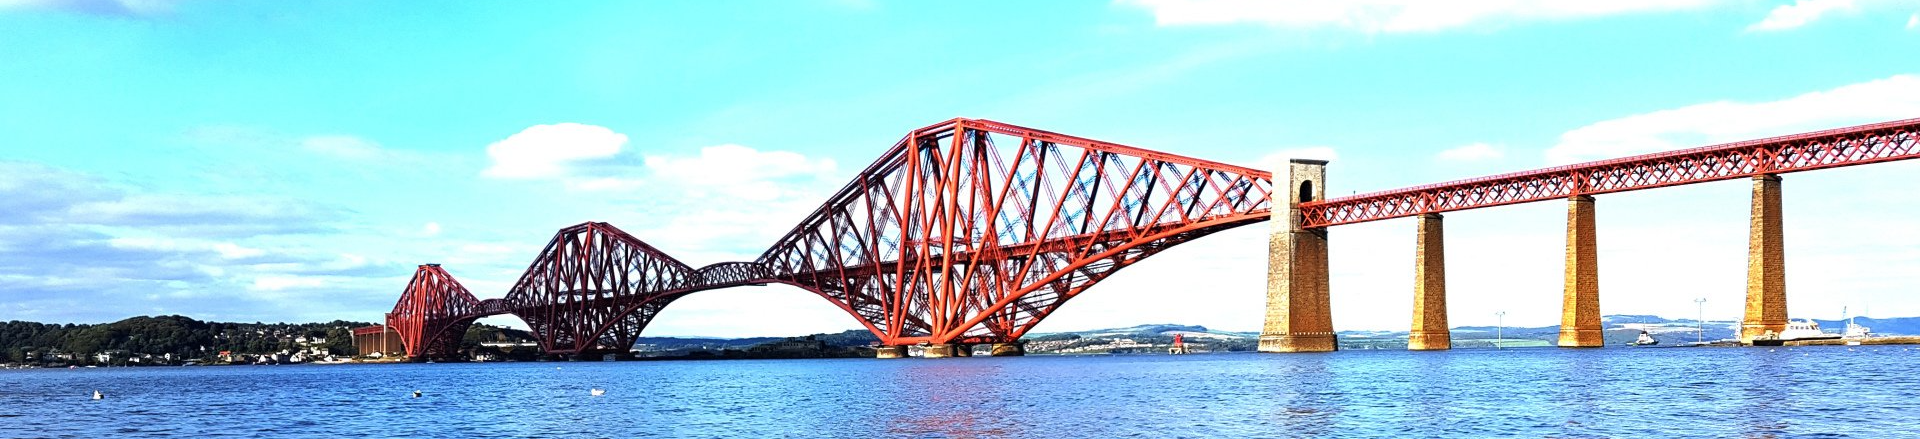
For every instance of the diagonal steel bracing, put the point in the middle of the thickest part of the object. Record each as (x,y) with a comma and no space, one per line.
(965,231)
(1865,144)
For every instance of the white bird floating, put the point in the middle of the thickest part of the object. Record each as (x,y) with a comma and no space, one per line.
(598,392)
(97,395)
(416,394)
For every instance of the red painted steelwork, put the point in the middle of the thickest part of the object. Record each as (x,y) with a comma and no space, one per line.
(433,313)
(966,231)
(1859,145)
(973,231)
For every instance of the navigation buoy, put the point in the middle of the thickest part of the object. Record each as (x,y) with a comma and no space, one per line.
(416,394)
(97,395)
(598,392)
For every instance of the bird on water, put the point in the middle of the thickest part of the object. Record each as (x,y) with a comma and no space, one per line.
(597,392)
(97,395)
(416,394)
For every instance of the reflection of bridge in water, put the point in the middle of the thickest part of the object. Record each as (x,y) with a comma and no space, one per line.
(971,232)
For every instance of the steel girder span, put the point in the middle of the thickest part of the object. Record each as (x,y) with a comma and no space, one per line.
(1858,145)
(966,231)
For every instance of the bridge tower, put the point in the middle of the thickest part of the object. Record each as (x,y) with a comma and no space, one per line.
(1299,314)
(1580,305)
(1430,331)
(1766,263)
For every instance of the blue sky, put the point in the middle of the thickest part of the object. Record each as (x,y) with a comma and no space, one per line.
(270,161)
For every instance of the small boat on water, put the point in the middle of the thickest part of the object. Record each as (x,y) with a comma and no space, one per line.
(1800,330)
(1856,333)
(1644,340)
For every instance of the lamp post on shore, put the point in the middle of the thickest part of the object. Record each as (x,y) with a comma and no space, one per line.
(1500,331)
(1700,320)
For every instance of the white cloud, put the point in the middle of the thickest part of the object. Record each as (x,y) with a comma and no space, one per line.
(1913,22)
(1390,16)
(605,184)
(487,249)
(739,172)
(1892,98)
(1277,160)
(546,150)
(226,250)
(431,229)
(1471,153)
(1799,14)
(144,243)
(234,251)
(277,283)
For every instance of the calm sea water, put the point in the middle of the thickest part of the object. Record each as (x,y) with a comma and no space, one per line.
(1699,392)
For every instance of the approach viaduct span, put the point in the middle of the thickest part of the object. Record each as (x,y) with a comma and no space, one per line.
(972,231)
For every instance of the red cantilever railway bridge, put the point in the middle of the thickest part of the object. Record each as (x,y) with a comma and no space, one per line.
(973,231)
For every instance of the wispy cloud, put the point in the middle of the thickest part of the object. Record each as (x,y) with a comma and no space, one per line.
(706,207)
(119,8)
(342,147)
(1892,98)
(77,247)
(739,172)
(349,147)
(723,200)
(1394,16)
(1800,13)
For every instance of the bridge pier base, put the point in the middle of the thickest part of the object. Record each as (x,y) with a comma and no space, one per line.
(939,351)
(890,352)
(962,350)
(1430,331)
(1015,349)
(1299,315)
(1766,263)
(1580,307)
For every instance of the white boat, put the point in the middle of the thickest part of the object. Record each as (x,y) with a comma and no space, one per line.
(1857,331)
(1644,340)
(1800,330)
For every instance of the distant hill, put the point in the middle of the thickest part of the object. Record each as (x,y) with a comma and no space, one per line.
(1620,329)
(848,338)
(1152,338)
(1893,326)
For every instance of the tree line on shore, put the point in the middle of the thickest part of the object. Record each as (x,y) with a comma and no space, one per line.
(166,339)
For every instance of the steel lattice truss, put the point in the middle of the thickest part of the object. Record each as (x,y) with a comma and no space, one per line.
(1804,152)
(433,313)
(973,231)
(594,288)
(965,231)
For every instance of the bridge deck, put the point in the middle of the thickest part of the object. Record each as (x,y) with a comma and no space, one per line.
(1874,143)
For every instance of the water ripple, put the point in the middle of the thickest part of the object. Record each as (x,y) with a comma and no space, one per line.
(1794,392)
